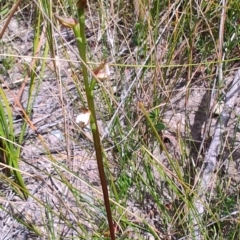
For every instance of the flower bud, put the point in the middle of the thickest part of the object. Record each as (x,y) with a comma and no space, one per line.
(67,22)
(81,4)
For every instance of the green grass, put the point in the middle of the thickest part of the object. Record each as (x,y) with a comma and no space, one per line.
(164,56)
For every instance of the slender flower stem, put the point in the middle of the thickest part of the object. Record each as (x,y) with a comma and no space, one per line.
(79,31)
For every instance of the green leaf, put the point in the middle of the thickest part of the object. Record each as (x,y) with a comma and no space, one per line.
(152,115)
(8,146)
(159,127)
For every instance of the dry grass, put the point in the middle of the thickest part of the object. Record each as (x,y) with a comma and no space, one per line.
(171,63)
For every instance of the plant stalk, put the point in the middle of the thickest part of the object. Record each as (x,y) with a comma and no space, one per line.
(79,31)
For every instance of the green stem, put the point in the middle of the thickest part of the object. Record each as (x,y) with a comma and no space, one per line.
(79,31)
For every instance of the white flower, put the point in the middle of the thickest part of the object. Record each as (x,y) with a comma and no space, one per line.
(84,117)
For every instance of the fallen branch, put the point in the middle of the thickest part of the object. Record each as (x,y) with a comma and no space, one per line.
(210,161)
